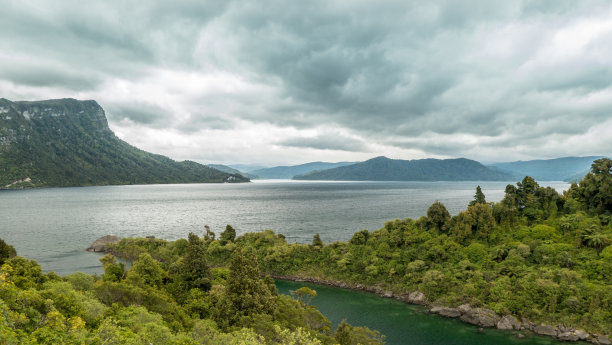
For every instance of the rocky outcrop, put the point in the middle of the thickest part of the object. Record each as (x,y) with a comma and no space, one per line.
(481,317)
(446,311)
(602,340)
(545,330)
(100,245)
(508,322)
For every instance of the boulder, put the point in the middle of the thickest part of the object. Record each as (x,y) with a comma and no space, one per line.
(568,336)
(446,311)
(603,340)
(100,245)
(582,335)
(508,322)
(481,317)
(545,330)
(416,297)
(464,308)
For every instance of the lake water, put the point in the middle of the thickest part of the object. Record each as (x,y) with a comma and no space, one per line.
(405,324)
(55,225)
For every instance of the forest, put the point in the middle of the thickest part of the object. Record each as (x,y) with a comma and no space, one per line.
(537,255)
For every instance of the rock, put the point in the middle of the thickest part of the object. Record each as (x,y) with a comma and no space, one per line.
(582,335)
(417,297)
(568,336)
(603,340)
(520,336)
(508,322)
(464,308)
(481,317)
(387,294)
(545,330)
(480,330)
(446,311)
(100,245)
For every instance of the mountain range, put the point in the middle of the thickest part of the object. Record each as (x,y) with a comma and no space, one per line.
(288,172)
(66,142)
(385,169)
(559,169)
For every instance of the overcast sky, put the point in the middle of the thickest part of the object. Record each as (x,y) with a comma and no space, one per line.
(287,82)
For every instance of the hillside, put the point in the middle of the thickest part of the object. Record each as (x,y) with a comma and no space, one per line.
(559,169)
(288,172)
(66,142)
(385,169)
(230,170)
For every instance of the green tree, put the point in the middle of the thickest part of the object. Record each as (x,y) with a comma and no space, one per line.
(438,216)
(479,197)
(194,270)
(246,294)
(229,235)
(6,251)
(146,270)
(316,241)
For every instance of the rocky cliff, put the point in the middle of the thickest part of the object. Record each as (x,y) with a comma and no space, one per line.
(66,142)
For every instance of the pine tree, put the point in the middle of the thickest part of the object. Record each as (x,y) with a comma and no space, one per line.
(194,269)
(479,197)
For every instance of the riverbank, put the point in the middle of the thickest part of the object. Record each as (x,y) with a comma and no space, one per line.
(480,317)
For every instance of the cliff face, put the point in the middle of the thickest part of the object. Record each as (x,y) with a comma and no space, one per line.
(66,142)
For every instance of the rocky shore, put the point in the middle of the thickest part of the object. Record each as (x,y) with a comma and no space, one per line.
(480,317)
(100,245)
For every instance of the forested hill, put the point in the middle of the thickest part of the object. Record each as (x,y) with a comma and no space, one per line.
(288,172)
(558,169)
(385,169)
(66,142)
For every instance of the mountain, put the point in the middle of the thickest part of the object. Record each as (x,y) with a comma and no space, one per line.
(65,142)
(558,169)
(231,170)
(287,172)
(247,167)
(385,169)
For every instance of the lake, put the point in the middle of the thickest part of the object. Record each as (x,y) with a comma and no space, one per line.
(55,225)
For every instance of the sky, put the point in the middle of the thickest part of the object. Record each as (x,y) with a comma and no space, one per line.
(288,82)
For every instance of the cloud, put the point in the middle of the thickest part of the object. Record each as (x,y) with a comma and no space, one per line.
(343,79)
(326,141)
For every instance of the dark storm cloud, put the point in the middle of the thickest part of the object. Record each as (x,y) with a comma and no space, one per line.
(443,77)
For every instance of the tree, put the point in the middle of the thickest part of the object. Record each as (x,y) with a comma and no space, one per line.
(229,235)
(316,241)
(479,197)
(146,270)
(246,295)
(438,216)
(194,270)
(6,251)
(209,236)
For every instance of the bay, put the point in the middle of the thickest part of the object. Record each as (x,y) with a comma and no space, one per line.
(55,225)
(405,324)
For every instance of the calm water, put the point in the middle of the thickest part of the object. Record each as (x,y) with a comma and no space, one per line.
(404,324)
(55,225)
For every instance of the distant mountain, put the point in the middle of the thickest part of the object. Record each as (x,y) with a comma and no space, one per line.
(558,169)
(288,172)
(385,169)
(247,167)
(231,170)
(65,142)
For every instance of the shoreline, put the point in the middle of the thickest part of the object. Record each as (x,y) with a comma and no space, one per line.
(479,317)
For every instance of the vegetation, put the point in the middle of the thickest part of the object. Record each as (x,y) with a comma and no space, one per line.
(536,254)
(68,143)
(385,169)
(158,302)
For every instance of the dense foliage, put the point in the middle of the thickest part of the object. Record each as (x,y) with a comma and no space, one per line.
(159,302)
(385,169)
(536,254)
(68,143)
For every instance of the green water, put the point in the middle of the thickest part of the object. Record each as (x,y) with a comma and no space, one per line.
(404,324)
